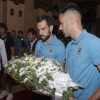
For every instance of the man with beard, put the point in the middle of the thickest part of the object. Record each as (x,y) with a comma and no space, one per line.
(82,52)
(49,46)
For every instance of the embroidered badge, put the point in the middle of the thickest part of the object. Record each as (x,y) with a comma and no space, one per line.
(79,50)
(50,51)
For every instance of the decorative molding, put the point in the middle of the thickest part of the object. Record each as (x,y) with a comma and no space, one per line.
(17,2)
(11,11)
(43,4)
(20,13)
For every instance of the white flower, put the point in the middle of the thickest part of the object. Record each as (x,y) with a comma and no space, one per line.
(26,68)
(23,62)
(21,73)
(25,80)
(17,60)
(26,58)
(42,78)
(40,72)
(10,68)
(6,64)
(21,70)
(13,66)
(16,70)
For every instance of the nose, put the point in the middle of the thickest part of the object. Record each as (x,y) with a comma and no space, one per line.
(60,27)
(40,32)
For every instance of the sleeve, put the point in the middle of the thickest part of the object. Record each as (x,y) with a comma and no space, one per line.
(37,48)
(60,57)
(3,53)
(94,51)
(27,43)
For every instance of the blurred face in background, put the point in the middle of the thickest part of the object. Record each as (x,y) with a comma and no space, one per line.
(2,32)
(31,37)
(20,35)
(13,34)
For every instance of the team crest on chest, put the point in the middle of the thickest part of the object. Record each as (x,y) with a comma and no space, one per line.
(79,50)
(51,51)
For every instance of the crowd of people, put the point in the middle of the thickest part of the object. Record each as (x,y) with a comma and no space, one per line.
(80,58)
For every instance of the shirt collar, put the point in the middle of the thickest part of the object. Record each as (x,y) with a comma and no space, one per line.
(84,32)
(52,41)
(33,43)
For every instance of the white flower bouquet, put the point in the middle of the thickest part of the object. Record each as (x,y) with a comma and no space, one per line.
(41,75)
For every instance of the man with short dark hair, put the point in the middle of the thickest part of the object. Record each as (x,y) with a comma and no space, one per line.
(82,52)
(48,47)
(9,45)
(32,38)
(22,44)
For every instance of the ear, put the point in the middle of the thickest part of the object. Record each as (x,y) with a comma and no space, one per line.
(71,20)
(51,28)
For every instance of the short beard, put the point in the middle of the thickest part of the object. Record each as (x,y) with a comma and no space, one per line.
(44,40)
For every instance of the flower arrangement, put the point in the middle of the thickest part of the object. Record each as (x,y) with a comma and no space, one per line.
(41,75)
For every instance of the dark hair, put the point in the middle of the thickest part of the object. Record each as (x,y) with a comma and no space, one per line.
(13,31)
(70,6)
(3,25)
(32,31)
(20,32)
(46,18)
(8,33)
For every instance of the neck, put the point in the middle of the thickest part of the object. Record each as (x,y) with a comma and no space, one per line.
(4,35)
(50,38)
(77,32)
(33,40)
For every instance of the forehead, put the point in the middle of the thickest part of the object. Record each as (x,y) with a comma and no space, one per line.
(13,32)
(62,17)
(42,24)
(20,33)
(30,33)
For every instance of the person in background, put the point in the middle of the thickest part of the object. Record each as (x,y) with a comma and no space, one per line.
(13,33)
(48,47)
(32,38)
(3,56)
(22,44)
(82,52)
(8,33)
(9,45)
(16,41)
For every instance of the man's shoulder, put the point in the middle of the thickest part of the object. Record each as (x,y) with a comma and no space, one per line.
(9,37)
(1,40)
(59,43)
(39,41)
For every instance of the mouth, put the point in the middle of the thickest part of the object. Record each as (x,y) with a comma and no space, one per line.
(42,36)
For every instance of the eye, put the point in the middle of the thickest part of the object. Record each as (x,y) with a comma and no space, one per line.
(43,29)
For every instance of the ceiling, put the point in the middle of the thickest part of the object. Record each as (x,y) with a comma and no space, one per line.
(86,3)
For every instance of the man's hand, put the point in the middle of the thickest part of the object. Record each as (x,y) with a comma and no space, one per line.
(72,98)
(96,96)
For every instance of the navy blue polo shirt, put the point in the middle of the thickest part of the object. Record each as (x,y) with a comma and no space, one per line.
(82,59)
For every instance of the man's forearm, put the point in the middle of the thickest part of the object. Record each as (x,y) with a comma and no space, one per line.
(96,96)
